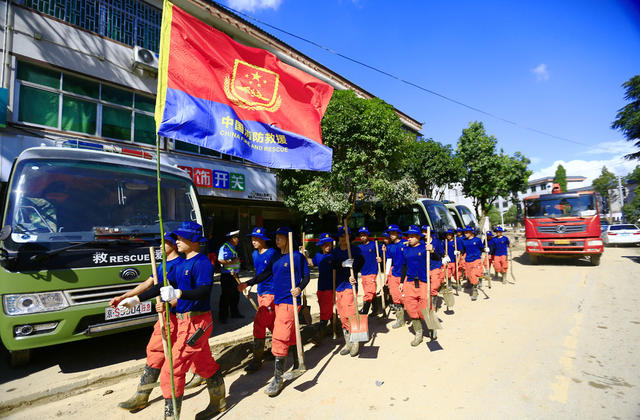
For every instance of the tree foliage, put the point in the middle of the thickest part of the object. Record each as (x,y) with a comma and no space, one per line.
(631,209)
(628,117)
(433,166)
(488,174)
(368,145)
(605,182)
(561,178)
(511,215)
(494,216)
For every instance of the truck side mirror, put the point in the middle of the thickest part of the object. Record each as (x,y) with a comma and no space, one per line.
(5,232)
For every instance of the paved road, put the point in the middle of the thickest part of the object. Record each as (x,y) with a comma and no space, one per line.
(560,343)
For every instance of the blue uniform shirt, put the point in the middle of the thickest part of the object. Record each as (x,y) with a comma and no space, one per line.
(369,253)
(173,266)
(395,252)
(436,260)
(282,275)
(228,252)
(500,245)
(260,262)
(192,273)
(473,248)
(415,258)
(325,271)
(343,273)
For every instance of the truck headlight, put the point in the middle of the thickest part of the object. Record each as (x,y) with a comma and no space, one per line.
(533,244)
(595,242)
(34,302)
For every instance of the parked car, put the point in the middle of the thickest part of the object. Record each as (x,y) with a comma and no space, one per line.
(621,234)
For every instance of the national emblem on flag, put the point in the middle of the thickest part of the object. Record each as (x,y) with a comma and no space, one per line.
(252,87)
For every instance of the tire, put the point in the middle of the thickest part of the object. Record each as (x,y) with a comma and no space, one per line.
(595,260)
(19,358)
(534,259)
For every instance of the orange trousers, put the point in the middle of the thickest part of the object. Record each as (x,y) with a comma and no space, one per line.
(325,300)
(155,351)
(451,268)
(346,307)
(369,286)
(473,270)
(184,355)
(284,330)
(501,263)
(265,316)
(394,289)
(415,299)
(437,277)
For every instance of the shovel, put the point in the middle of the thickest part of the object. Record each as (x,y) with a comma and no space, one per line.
(381,280)
(511,265)
(433,323)
(359,329)
(487,272)
(449,300)
(301,367)
(334,317)
(457,257)
(255,306)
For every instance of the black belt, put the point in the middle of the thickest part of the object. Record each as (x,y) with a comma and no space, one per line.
(191,314)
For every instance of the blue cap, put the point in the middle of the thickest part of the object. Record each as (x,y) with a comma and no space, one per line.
(191,231)
(364,229)
(468,229)
(283,231)
(324,238)
(259,232)
(169,237)
(499,229)
(459,230)
(413,230)
(385,235)
(341,231)
(424,228)
(489,233)
(394,228)
(449,232)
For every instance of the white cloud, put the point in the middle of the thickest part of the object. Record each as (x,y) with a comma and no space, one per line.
(620,147)
(588,168)
(253,5)
(541,72)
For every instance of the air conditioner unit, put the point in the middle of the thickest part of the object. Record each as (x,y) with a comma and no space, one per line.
(145,59)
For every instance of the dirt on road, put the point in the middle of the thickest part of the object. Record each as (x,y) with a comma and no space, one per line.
(559,343)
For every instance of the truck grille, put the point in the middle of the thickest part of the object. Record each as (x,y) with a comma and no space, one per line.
(572,243)
(560,229)
(97,294)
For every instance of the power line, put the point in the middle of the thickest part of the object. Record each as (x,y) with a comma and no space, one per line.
(393,76)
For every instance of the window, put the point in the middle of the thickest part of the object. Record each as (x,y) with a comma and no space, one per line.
(132,22)
(68,102)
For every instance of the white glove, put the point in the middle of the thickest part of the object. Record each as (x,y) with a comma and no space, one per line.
(348,263)
(168,293)
(456,252)
(486,250)
(446,260)
(130,302)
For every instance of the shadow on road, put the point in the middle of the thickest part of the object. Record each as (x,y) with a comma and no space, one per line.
(575,261)
(634,258)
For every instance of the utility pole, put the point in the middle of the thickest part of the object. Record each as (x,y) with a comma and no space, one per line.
(621,198)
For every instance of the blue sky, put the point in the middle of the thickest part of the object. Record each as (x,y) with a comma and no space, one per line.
(555,66)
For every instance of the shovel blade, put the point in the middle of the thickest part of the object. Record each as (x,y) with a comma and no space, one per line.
(359,331)
(293,374)
(432,321)
(449,299)
(306,314)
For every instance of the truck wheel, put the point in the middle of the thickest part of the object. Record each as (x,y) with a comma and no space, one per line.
(534,259)
(19,358)
(595,259)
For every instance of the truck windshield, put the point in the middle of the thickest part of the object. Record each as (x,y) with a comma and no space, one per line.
(68,200)
(572,206)
(467,217)
(439,215)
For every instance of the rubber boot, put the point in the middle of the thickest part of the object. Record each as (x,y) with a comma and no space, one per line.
(196,381)
(399,318)
(322,330)
(141,398)
(276,385)
(417,327)
(474,292)
(217,400)
(376,306)
(365,308)
(394,308)
(347,343)
(169,412)
(258,352)
(354,349)
(294,357)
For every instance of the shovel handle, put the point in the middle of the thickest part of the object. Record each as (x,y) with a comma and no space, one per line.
(335,309)
(353,288)
(235,276)
(296,321)
(154,272)
(428,265)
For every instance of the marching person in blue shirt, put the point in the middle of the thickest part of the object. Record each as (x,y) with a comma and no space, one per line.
(473,267)
(394,252)
(284,334)
(369,269)
(323,261)
(266,315)
(501,247)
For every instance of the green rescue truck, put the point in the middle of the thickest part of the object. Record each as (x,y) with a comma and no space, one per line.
(76,230)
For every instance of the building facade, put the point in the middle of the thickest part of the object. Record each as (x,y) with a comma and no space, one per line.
(87,70)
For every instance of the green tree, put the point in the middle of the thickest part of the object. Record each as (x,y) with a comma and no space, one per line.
(631,209)
(511,215)
(602,184)
(494,216)
(368,145)
(488,174)
(561,178)
(628,117)
(433,166)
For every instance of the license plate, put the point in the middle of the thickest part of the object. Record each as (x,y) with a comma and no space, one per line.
(122,312)
(562,242)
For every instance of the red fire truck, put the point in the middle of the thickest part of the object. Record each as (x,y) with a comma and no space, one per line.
(563,225)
